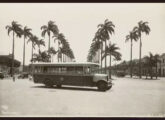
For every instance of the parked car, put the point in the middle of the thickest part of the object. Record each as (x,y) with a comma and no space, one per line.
(23,75)
(1,75)
(120,73)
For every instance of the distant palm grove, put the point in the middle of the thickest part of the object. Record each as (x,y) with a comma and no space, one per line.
(64,52)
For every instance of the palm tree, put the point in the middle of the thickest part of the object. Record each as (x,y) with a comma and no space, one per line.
(149,63)
(112,51)
(132,36)
(16,29)
(40,43)
(64,49)
(99,39)
(142,27)
(106,30)
(157,60)
(34,40)
(52,52)
(26,33)
(42,57)
(59,37)
(51,27)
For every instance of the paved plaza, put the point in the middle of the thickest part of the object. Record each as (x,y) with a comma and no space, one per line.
(128,97)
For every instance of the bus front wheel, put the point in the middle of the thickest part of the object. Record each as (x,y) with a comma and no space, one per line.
(102,86)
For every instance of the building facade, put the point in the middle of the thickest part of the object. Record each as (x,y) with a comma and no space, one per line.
(161,66)
(6,63)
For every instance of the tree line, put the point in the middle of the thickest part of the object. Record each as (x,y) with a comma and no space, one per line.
(64,52)
(103,35)
(149,62)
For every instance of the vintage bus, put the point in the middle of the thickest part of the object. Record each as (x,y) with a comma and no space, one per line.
(75,74)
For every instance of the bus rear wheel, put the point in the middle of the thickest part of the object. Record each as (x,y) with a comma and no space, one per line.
(102,86)
(48,83)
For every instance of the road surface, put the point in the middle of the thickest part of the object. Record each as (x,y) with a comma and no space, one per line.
(128,97)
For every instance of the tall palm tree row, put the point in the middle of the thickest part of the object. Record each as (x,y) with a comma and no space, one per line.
(40,42)
(59,38)
(41,56)
(50,28)
(106,29)
(68,52)
(131,36)
(15,28)
(95,46)
(63,47)
(99,41)
(101,36)
(44,56)
(141,28)
(52,52)
(27,34)
(111,50)
(35,41)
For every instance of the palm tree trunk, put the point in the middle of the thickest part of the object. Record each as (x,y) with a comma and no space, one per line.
(63,57)
(105,57)
(140,58)
(58,51)
(151,72)
(24,55)
(98,56)
(101,57)
(160,70)
(12,67)
(32,53)
(51,58)
(110,66)
(131,61)
(156,70)
(49,43)
(49,48)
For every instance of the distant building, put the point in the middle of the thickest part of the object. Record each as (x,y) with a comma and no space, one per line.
(6,63)
(135,67)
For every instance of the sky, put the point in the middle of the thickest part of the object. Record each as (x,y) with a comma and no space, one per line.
(79,21)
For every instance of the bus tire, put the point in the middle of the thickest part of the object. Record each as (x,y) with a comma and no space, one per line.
(48,83)
(102,86)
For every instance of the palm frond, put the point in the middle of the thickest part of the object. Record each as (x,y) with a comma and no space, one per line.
(44,27)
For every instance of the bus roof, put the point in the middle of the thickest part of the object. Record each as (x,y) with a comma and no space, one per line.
(66,64)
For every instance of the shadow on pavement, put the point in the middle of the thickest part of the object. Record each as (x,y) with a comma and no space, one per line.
(67,88)
(136,77)
(150,79)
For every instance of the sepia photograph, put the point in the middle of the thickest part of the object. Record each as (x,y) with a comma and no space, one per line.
(82,60)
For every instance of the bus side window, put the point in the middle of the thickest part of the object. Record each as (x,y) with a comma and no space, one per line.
(35,69)
(45,70)
(70,70)
(63,69)
(86,70)
(79,70)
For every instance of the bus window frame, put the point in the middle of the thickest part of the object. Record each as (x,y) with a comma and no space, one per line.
(59,69)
